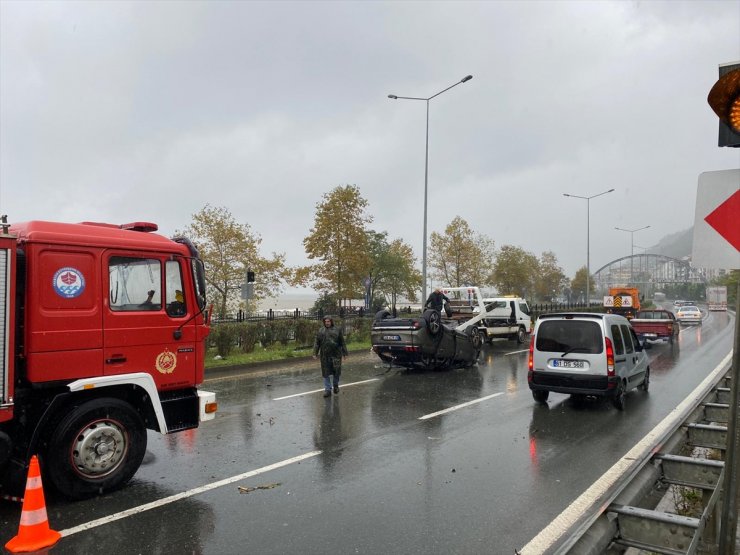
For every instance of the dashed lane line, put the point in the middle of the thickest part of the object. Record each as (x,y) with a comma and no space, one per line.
(516,352)
(322,389)
(458,407)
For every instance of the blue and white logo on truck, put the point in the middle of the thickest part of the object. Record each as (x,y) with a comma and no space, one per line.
(69,283)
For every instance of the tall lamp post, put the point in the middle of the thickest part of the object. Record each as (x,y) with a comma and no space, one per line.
(632,247)
(588,245)
(426,176)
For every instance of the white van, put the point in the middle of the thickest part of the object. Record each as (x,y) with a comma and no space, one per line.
(586,354)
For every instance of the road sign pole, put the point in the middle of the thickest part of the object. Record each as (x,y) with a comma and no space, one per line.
(730,501)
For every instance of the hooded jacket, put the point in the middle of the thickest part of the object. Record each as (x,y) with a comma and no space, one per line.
(330,342)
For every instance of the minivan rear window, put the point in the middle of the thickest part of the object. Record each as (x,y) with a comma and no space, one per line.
(575,336)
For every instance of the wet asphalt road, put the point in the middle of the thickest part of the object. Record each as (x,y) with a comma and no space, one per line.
(377,477)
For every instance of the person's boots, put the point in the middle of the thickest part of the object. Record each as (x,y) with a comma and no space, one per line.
(336,390)
(327,393)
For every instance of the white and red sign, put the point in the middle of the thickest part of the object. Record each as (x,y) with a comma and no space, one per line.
(717,221)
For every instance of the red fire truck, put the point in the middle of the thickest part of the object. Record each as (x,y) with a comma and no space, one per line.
(102,336)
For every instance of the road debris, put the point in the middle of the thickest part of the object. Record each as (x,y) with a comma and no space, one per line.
(248,489)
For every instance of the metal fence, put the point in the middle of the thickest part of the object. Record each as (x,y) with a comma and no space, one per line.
(342,313)
(243,316)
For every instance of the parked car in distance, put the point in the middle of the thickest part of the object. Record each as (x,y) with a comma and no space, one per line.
(655,324)
(688,315)
(586,354)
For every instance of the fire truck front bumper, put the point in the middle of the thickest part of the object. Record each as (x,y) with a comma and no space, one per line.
(208,405)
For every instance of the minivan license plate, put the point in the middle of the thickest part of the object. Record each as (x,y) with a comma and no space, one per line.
(391,338)
(568,364)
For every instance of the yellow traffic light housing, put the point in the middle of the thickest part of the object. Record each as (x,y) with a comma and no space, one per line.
(724,99)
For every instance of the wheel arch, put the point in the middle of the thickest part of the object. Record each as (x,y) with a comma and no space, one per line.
(133,393)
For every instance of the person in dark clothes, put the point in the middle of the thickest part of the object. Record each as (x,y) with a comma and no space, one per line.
(330,345)
(436,300)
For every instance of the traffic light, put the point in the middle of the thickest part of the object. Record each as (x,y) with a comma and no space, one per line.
(250,276)
(724,98)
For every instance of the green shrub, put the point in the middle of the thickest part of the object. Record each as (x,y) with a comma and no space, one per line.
(266,333)
(248,335)
(282,330)
(305,331)
(223,337)
(362,327)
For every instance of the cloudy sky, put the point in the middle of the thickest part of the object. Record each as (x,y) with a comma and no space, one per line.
(125,111)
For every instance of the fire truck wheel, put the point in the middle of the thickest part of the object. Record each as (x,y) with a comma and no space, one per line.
(96,447)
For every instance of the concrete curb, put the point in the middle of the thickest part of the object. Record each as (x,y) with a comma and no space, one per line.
(260,367)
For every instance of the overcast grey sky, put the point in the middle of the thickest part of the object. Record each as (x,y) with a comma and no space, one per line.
(125,111)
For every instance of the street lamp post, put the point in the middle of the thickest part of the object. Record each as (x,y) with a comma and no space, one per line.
(588,245)
(632,247)
(426,176)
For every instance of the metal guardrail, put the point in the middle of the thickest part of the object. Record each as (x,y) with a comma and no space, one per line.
(632,513)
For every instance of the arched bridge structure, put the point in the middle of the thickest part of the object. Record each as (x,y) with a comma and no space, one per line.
(648,272)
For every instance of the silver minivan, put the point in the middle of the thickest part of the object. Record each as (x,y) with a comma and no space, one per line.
(586,354)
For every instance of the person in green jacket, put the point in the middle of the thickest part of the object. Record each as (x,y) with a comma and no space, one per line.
(330,345)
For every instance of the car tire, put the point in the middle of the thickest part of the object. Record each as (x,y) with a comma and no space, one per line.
(105,421)
(433,321)
(475,337)
(645,385)
(540,395)
(618,400)
(521,336)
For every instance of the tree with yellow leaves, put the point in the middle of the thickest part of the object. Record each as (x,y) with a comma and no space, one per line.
(228,250)
(338,241)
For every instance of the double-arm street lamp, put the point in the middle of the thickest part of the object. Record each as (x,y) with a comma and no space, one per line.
(632,247)
(426,175)
(588,246)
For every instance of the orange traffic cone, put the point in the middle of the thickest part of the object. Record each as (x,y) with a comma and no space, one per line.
(34,532)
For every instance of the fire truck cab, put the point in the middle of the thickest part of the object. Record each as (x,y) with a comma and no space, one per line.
(102,336)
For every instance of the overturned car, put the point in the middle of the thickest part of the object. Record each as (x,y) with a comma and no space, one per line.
(429,341)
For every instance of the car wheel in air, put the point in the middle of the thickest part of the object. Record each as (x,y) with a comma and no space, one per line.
(475,337)
(433,320)
(540,395)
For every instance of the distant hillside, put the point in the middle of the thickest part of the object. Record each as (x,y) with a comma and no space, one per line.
(676,245)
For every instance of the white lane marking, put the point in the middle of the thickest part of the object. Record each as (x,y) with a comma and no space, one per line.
(545,540)
(322,389)
(516,352)
(184,495)
(457,407)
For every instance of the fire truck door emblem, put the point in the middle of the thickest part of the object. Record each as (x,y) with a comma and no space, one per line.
(166,362)
(68,282)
